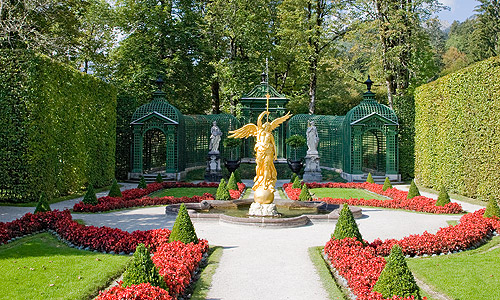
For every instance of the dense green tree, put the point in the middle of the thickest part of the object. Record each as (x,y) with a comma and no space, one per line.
(488,29)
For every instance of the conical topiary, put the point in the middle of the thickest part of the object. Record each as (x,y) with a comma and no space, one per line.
(90,197)
(296,183)
(142,269)
(292,179)
(222,191)
(114,191)
(304,193)
(43,204)
(413,192)
(231,183)
(492,209)
(183,229)
(237,176)
(346,225)
(369,179)
(443,197)
(142,183)
(387,184)
(396,278)
(159,178)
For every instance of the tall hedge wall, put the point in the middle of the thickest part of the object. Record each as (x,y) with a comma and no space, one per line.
(57,128)
(457,124)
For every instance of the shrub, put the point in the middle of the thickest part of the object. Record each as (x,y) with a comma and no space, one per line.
(183,229)
(492,209)
(90,197)
(346,226)
(159,178)
(304,194)
(443,197)
(43,204)
(387,184)
(231,183)
(114,191)
(396,278)
(292,179)
(296,183)
(237,176)
(413,192)
(222,191)
(369,179)
(142,269)
(142,183)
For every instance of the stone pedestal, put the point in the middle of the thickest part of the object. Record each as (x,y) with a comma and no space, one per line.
(312,171)
(263,210)
(213,171)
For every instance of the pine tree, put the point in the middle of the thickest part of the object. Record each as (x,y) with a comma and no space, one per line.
(114,191)
(159,178)
(142,183)
(296,183)
(369,179)
(90,197)
(237,176)
(387,184)
(413,192)
(222,191)
(443,197)
(183,229)
(231,184)
(43,204)
(142,269)
(304,194)
(396,278)
(346,225)
(292,179)
(492,209)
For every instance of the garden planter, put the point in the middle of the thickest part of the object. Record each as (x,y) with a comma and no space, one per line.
(295,165)
(232,165)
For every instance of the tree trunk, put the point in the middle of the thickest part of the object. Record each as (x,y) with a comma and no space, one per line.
(313,78)
(215,96)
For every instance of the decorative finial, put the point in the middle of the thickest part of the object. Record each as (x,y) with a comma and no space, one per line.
(159,82)
(369,83)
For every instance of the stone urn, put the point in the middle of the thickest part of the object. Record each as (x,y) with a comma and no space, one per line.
(232,165)
(295,165)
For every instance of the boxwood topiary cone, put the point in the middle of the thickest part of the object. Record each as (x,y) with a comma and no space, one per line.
(387,184)
(396,278)
(346,225)
(296,183)
(492,209)
(90,197)
(292,179)
(237,176)
(222,191)
(304,194)
(413,192)
(231,183)
(114,191)
(43,204)
(443,197)
(142,269)
(142,183)
(183,229)
(369,179)
(159,178)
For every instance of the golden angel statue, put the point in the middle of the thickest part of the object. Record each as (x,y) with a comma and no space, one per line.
(265,154)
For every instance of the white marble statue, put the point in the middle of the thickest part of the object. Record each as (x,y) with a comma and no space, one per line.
(215,137)
(312,138)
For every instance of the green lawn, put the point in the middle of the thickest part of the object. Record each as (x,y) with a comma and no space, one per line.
(345,193)
(181,192)
(41,267)
(471,275)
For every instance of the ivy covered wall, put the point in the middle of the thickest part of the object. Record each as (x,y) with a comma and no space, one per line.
(57,128)
(457,126)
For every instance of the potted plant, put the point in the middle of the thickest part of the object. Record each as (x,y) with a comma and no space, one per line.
(294,142)
(233,162)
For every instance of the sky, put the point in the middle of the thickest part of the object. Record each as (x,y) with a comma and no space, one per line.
(460,10)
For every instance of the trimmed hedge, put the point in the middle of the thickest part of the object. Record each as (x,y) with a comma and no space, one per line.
(58,128)
(457,131)
(142,270)
(183,229)
(346,226)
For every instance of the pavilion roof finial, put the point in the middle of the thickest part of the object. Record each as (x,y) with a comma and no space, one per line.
(369,83)
(159,82)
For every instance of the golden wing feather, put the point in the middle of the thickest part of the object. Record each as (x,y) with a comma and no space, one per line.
(278,121)
(244,132)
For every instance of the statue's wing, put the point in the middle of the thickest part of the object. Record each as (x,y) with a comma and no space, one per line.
(278,121)
(244,132)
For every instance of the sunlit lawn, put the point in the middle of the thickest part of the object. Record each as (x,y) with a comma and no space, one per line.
(184,192)
(345,193)
(41,267)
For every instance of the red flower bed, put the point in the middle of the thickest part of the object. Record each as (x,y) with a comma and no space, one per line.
(143,291)
(138,197)
(361,266)
(398,201)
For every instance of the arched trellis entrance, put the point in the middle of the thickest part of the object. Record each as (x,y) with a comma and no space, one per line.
(373,151)
(154,151)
